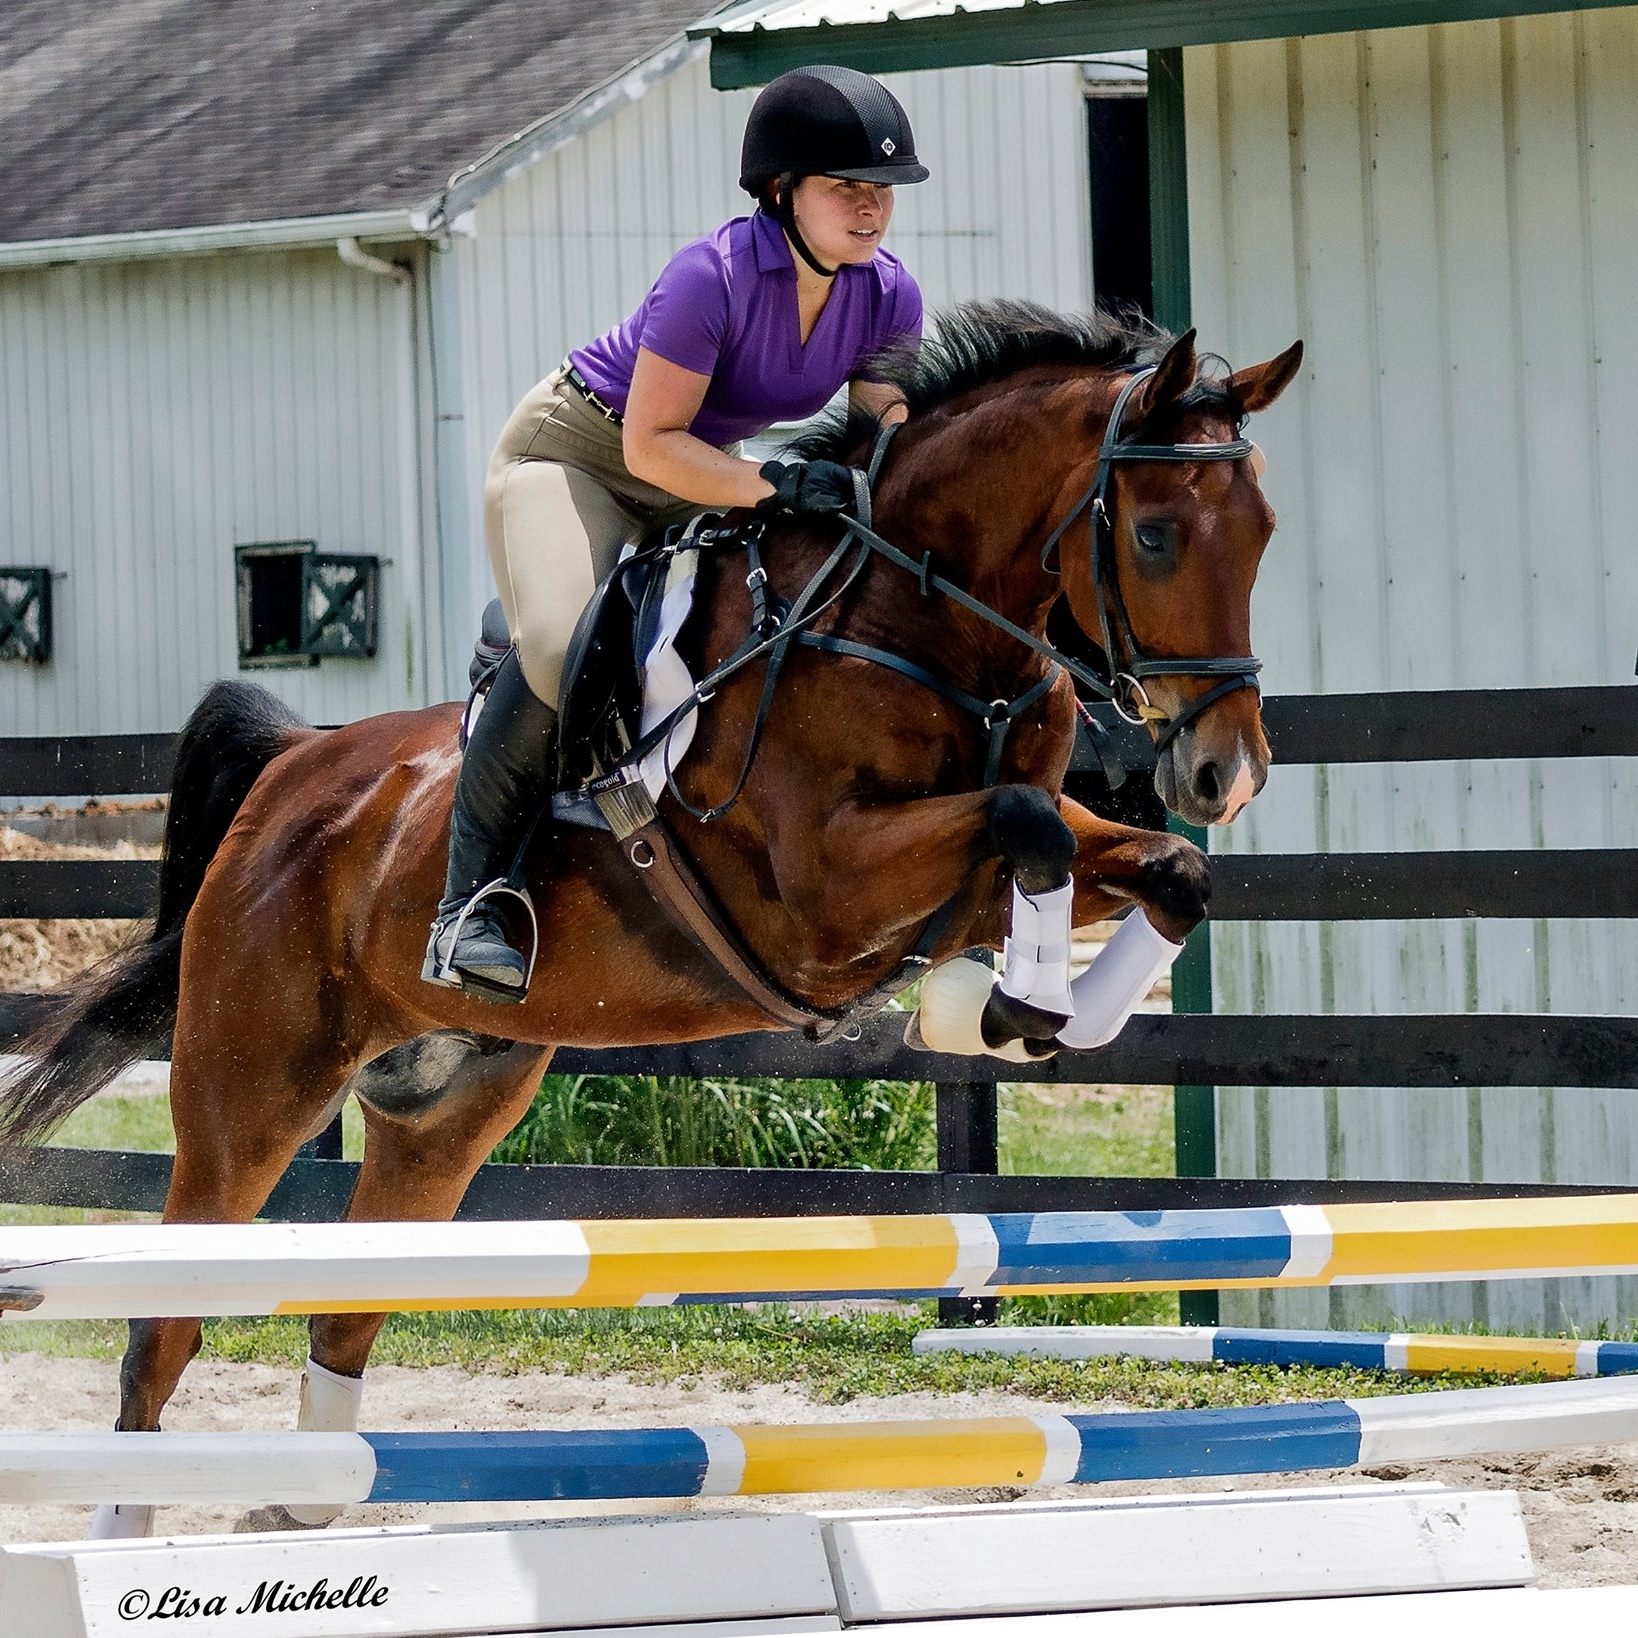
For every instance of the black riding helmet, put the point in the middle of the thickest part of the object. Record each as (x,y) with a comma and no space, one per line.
(825,121)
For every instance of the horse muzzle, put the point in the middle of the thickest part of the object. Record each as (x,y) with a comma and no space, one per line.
(1207,785)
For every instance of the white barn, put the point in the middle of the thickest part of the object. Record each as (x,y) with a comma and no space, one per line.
(282,288)
(286,284)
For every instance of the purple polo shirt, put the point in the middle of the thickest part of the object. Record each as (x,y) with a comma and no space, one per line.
(725,306)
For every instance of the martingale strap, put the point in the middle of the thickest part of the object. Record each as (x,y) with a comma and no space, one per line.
(996,715)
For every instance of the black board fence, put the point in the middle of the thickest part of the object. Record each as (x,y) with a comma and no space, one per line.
(1422,1050)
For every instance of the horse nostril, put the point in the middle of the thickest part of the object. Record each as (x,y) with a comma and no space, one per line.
(1207,785)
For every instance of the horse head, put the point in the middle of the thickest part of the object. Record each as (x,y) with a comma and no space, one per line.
(1167,527)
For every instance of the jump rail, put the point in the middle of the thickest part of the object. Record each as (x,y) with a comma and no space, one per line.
(155,1270)
(642,1463)
(1415,1355)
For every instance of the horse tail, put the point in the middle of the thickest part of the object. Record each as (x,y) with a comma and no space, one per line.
(78,1038)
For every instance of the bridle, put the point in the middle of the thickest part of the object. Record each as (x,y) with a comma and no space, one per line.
(1128,664)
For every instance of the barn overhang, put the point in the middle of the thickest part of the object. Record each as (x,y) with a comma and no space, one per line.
(753,42)
(296,233)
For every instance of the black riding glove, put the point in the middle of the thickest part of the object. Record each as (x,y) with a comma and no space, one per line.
(807,486)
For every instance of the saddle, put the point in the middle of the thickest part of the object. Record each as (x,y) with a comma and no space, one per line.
(615,640)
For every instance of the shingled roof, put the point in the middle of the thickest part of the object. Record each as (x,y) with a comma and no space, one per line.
(121,116)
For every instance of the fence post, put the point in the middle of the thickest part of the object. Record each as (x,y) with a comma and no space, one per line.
(969,1140)
(1194,1108)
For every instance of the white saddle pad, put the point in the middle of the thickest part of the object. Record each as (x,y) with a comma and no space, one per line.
(666,681)
(666,684)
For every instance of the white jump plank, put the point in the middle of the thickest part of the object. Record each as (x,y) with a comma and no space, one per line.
(1491,1610)
(1184,1549)
(557,1576)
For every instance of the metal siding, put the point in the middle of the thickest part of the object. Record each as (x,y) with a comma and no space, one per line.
(568,247)
(1443,214)
(153,414)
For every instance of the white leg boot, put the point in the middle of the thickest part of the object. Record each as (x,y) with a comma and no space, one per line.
(329,1404)
(122,1522)
(1036,969)
(1111,989)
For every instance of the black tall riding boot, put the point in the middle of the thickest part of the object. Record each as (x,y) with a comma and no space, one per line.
(505,784)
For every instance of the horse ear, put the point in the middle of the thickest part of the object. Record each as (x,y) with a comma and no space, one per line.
(1173,377)
(1258,385)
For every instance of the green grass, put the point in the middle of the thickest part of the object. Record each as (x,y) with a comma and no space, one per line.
(1061,1131)
(649,1120)
(832,1358)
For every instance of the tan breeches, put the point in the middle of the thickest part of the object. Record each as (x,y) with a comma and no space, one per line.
(558,505)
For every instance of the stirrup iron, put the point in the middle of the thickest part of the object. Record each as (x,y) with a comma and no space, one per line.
(440,968)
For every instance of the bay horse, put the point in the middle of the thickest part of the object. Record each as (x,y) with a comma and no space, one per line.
(301,866)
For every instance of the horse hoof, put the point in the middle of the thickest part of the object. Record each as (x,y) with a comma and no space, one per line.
(264,1520)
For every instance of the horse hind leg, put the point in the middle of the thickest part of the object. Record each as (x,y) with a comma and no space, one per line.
(434,1109)
(236,1132)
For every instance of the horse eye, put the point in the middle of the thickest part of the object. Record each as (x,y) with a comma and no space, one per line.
(1153,538)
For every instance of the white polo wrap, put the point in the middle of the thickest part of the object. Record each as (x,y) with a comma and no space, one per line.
(1036,970)
(1111,989)
(329,1404)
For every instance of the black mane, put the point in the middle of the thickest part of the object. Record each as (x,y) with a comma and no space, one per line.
(983,341)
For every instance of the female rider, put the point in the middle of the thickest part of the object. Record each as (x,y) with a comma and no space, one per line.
(759,322)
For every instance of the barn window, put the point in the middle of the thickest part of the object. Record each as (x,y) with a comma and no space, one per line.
(25,615)
(298,605)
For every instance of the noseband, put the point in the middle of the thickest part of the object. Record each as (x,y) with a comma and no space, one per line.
(1128,664)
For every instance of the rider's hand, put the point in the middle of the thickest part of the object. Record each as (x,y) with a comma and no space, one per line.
(807,486)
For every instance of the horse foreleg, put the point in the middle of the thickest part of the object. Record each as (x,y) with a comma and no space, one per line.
(434,1109)
(1165,876)
(1112,867)
(880,868)
(887,866)
(1167,880)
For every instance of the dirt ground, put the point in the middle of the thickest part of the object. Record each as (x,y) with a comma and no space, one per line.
(1580,1506)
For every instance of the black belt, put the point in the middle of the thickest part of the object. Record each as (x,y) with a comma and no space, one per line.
(578,382)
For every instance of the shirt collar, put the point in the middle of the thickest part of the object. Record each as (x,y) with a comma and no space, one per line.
(769,244)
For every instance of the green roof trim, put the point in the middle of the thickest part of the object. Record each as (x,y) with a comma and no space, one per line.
(1072,27)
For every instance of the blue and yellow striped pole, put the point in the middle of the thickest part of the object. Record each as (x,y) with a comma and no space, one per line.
(153,1270)
(1408,1352)
(636,1463)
